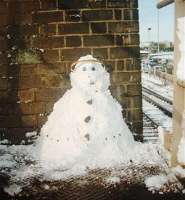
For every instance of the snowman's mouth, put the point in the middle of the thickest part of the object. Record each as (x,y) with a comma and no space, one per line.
(92,83)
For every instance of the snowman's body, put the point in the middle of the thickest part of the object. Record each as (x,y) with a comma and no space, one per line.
(86,123)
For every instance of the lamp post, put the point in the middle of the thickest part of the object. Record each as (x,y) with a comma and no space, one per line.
(149,29)
(158,47)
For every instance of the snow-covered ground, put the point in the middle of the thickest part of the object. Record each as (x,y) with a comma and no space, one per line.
(157,115)
(158,85)
(164,89)
(82,135)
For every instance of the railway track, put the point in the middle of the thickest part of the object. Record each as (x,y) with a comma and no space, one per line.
(151,117)
(150,129)
(163,103)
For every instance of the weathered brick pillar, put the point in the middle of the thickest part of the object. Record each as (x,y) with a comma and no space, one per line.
(39,39)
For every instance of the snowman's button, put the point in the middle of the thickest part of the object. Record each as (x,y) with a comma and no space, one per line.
(87,119)
(93,69)
(87,136)
(89,102)
(92,83)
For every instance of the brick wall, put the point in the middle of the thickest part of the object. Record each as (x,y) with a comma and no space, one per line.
(39,39)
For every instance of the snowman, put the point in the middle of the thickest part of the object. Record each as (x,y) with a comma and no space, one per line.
(86,125)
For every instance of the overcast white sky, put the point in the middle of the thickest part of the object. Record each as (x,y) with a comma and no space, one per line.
(148,18)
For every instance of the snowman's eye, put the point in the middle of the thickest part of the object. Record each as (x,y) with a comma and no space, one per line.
(93,69)
(84,69)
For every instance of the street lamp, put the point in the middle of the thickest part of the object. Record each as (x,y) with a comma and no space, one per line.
(149,29)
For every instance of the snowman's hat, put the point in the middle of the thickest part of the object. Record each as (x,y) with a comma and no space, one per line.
(86,59)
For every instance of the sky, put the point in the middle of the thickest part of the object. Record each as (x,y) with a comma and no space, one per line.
(148,19)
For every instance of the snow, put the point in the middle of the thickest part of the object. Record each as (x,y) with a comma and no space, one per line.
(181,36)
(13,189)
(163,182)
(79,125)
(179,171)
(31,134)
(112,179)
(156,182)
(85,131)
(5,141)
(157,116)
(157,85)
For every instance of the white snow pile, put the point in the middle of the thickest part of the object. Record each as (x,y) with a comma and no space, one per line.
(86,123)
(166,182)
(85,131)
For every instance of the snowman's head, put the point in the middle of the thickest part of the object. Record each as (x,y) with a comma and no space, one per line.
(89,75)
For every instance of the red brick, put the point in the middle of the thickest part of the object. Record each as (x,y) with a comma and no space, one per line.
(28,82)
(49,107)
(97,4)
(130,14)
(110,65)
(10,121)
(32,108)
(121,65)
(118,14)
(26,95)
(23,6)
(97,15)
(3,84)
(75,4)
(99,40)
(136,101)
(126,77)
(122,3)
(124,52)
(49,4)
(73,28)
(26,70)
(3,71)
(98,27)
(123,27)
(72,15)
(49,94)
(4,19)
(50,56)
(48,17)
(120,77)
(22,19)
(3,44)
(127,39)
(73,41)
(100,53)
(133,90)
(3,7)
(8,97)
(41,120)
(3,59)
(47,30)
(49,42)
(29,121)
(6,109)
(74,53)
